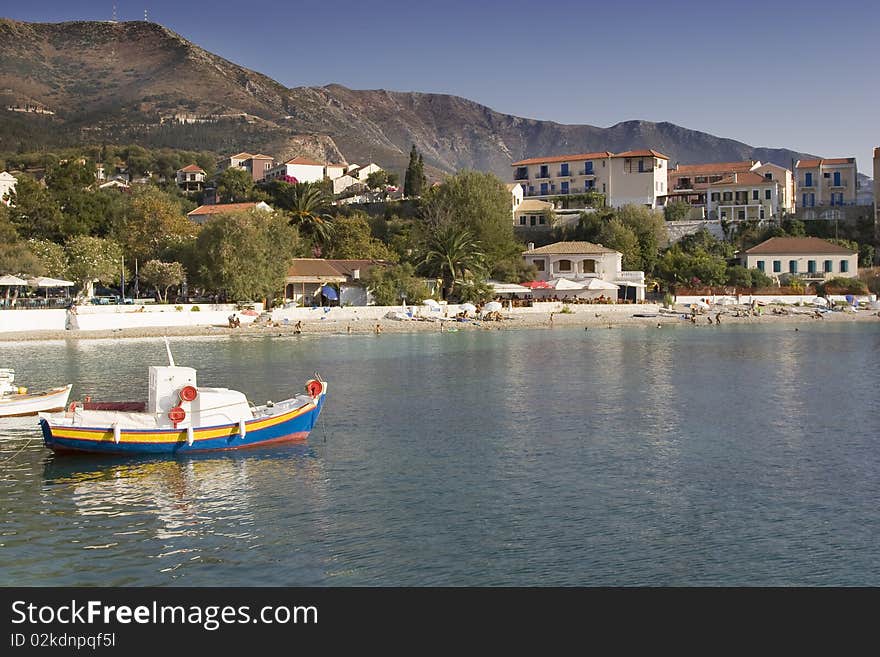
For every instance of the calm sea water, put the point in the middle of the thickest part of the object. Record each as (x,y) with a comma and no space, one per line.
(732,455)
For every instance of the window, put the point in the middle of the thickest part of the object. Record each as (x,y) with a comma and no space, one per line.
(522,220)
(701,179)
(543,172)
(563,265)
(543,189)
(542,220)
(741,215)
(844,266)
(829,266)
(768,176)
(760,265)
(715,196)
(767,194)
(754,194)
(539,264)
(588,168)
(805,201)
(641,166)
(532,220)
(565,187)
(777,266)
(792,266)
(837,178)
(588,266)
(808,180)
(563,169)
(826,175)
(728,196)
(811,266)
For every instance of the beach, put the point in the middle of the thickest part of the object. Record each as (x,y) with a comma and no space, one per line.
(588,317)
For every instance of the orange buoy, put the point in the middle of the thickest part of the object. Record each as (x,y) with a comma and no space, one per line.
(177,415)
(188,393)
(314,387)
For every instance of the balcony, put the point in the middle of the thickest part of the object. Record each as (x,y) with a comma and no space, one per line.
(521,175)
(564,174)
(542,174)
(843,184)
(585,172)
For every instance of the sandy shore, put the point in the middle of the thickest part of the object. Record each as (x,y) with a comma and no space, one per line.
(589,319)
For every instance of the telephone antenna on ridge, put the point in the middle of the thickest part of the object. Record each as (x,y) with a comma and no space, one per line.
(114,12)
(145,14)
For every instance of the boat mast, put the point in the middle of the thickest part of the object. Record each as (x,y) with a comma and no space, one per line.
(168,349)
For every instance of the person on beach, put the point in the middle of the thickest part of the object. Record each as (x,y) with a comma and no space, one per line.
(298,327)
(71,323)
(718,318)
(378,329)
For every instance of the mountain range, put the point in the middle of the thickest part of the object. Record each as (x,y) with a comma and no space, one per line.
(138,82)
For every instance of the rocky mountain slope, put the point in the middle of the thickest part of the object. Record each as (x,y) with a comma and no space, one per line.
(140,82)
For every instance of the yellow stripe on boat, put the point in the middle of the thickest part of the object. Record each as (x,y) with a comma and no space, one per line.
(174,436)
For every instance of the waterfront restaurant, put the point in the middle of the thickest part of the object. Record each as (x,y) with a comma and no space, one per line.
(587,266)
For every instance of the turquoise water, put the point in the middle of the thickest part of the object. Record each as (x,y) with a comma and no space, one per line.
(732,455)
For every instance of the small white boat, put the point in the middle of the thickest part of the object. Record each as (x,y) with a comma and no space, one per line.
(17,401)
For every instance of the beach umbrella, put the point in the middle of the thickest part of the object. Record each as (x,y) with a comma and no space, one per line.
(565,284)
(599,284)
(507,288)
(701,304)
(492,307)
(431,302)
(819,301)
(329,293)
(537,285)
(468,307)
(12,280)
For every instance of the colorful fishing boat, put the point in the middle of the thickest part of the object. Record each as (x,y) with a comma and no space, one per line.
(17,401)
(180,417)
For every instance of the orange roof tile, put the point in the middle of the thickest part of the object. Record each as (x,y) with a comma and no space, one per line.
(192,168)
(304,160)
(812,164)
(797,246)
(260,156)
(239,156)
(747,178)
(712,167)
(642,153)
(563,158)
(222,208)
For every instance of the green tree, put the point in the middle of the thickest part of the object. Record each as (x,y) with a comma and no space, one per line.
(414,181)
(154,223)
(389,285)
(676,211)
(649,227)
(453,254)
(616,235)
(480,204)
(34,212)
(16,258)
(352,239)
(162,276)
(697,268)
(247,255)
(51,256)
(235,185)
(309,212)
(92,259)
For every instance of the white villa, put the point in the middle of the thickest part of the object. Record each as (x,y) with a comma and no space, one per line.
(809,257)
(592,266)
(301,168)
(744,196)
(7,186)
(191,178)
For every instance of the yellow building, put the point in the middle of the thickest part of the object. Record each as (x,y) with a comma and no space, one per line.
(827,182)
(744,197)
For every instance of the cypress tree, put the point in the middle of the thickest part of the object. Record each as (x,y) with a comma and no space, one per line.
(409,180)
(421,181)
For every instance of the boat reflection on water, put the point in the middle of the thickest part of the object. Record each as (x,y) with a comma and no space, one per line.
(199,508)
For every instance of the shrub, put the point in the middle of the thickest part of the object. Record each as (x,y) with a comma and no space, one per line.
(566,310)
(178,308)
(194,309)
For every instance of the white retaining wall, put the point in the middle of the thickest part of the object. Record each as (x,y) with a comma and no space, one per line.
(789,299)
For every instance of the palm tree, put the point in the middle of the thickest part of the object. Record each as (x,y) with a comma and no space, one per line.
(308,210)
(452,252)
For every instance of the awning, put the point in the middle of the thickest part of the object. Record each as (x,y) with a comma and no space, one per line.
(44,281)
(630,284)
(12,280)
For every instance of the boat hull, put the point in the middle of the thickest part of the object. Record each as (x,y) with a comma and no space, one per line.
(32,403)
(294,425)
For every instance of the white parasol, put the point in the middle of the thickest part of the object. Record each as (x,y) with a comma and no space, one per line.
(12,280)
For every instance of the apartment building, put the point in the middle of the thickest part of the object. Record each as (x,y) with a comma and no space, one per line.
(747,196)
(637,177)
(256,165)
(690,182)
(826,181)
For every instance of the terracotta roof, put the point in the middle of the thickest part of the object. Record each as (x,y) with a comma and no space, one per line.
(642,153)
(260,156)
(747,178)
(563,158)
(573,248)
(812,164)
(798,246)
(239,156)
(319,267)
(304,160)
(222,208)
(712,167)
(192,168)
(533,205)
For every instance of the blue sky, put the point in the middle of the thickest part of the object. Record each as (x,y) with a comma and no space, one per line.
(770,73)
